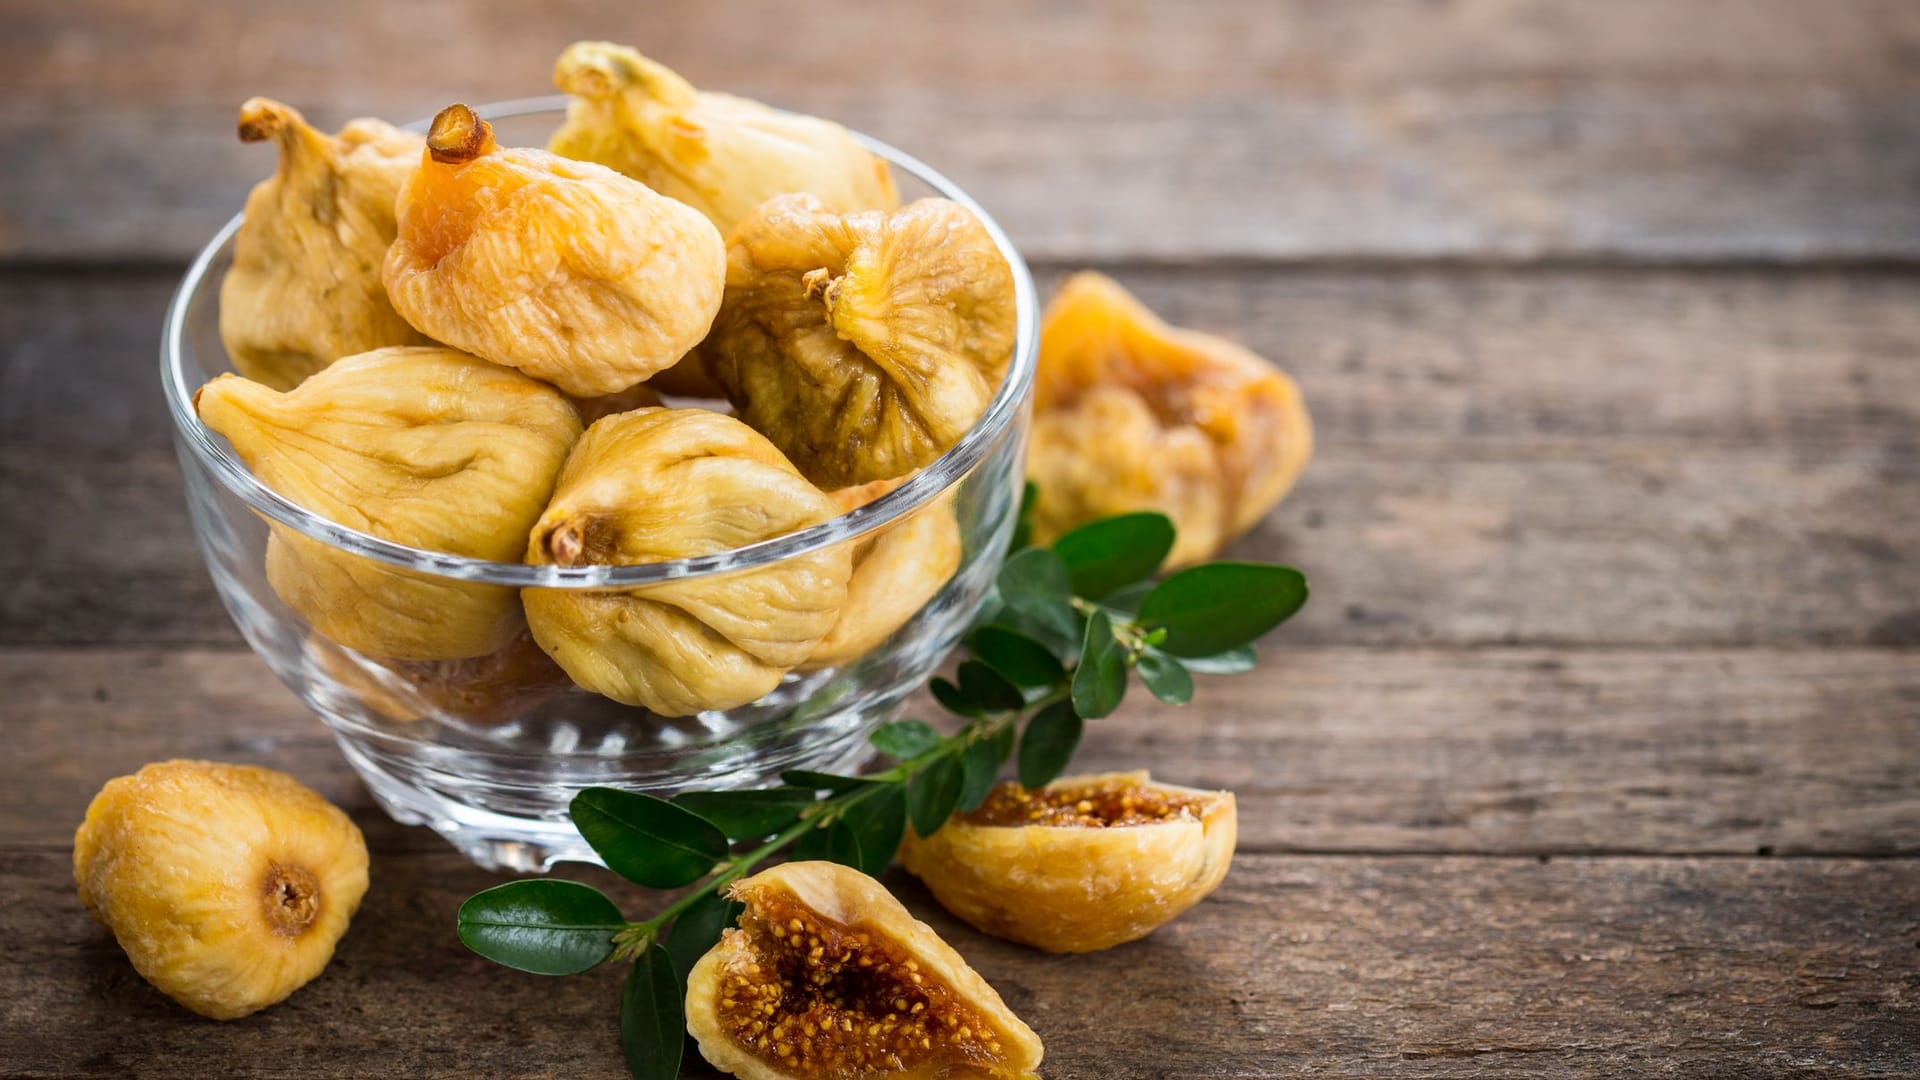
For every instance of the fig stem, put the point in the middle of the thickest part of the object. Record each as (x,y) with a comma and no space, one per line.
(459,135)
(599,69)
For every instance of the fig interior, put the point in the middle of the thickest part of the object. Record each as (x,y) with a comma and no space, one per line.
(1089,806)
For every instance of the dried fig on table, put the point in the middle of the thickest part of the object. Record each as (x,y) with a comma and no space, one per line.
(721,155)
(864,345)
(562,269)
(304,288)
(896,570)
(659,484)
(1132,414)
(423,446)
(227,885)
(829,976)
(1084,863)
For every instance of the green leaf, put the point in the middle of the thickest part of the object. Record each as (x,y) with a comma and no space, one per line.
(1002,743)
(647,840)
(981,691)
(934,793)
(833,842)
(1023,523)
(1100,682)
(878,826)
(1048,744)
(820,781)
(1023,661)
(697,928)
(544,926)
(905,739)
(653,1025)
(1234,661)
(1166,678)
(1104,555)
(1034,586)
(1214,607)
(749,814)
(1127,599)
(980,767)
(951,699)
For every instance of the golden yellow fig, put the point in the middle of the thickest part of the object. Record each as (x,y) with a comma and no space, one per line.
(227,885)
(654,485)
(563,269)
(896,570)
(863,345)
(721,155)
(304,288)
(484,691)
(828,976)
(422,446)
(641,396)
(1132,414)
(1085,863)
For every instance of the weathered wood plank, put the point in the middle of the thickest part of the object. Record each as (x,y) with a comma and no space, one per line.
(1768,129)
(1341,966)
(1332,750)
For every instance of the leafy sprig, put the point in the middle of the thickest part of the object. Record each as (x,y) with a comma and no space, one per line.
(1052,649)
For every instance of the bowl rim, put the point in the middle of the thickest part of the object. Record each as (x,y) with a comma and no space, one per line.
(921,489)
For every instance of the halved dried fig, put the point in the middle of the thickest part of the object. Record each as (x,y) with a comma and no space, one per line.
(721,155)
(1132,414)
(828,976)
(896,570)
(863,344)
(423,446)
(563,269)
(653,485)
(304,288)
(1085,863)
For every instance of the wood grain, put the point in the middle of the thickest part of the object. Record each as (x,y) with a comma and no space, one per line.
(1511,129)
(1413,966)
(1328,749)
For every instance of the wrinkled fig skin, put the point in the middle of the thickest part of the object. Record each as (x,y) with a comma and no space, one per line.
(896,571)
(864,345)
(304,288)
(1076,888)
(562,269)
(422,446)
(719,154)
(1132,414)
(653,485)
(877,971)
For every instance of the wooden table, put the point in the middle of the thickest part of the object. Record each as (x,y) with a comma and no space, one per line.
(1598,749)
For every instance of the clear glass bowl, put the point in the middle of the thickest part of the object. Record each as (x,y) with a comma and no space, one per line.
(488,752)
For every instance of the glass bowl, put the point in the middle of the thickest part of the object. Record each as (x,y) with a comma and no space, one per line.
(489,751)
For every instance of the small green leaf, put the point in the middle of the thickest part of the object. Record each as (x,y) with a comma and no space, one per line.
(1166,678)
(1034,586)
(653,1025)
(1048,744)
(833,842)
(934,793)
(878,827)
(1002,742)
(1214,607)
(1023,523)
(905,739)
(1127,599)
(981,767)
(951,699)
(1058,632)
(1234,661)
(981,691)
(749,814)
(647,840)
(1100,682)
(820,781)
(544,926)
(1023,661)
(1104,555)
(697,928)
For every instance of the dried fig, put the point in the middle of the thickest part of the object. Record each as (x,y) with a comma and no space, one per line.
(866,344)
(658,484)
(423,446)
(483,691)
(828,976)
(304,288)
(719,154)
(563,269)
(1085,863)
(896,570)
(227,885)
(641,396)
(1132,414)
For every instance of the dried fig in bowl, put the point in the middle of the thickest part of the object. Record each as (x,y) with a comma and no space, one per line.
(829,976)
(565,270)
(721,155)
(864,345)
(896,571)
(1084,863)
(653,485)
(304,288)
(423,446)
